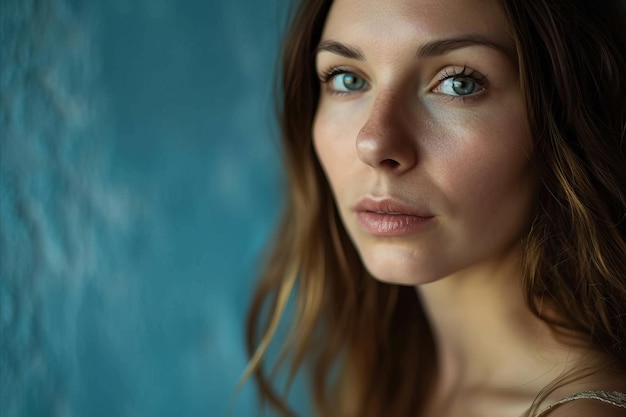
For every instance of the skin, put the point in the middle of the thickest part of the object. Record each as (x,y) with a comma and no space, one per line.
(462,159)
(390,125)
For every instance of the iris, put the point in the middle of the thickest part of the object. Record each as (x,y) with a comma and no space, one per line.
(348,82)
(463,86)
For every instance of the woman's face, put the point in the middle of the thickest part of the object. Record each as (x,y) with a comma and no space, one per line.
(422,132)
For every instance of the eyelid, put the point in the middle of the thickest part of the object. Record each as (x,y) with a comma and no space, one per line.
(464,71)
(326,77)
(457,71)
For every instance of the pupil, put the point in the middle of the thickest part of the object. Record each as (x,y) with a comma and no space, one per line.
(462,86)
(351,82)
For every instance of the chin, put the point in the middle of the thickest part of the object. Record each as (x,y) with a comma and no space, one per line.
(399,271)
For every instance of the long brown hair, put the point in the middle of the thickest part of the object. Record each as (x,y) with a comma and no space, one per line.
(368,344)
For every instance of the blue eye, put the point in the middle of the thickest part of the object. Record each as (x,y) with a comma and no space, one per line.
(459,86)
(347,82)
(460,83)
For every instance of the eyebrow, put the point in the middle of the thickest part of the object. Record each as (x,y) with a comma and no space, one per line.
(443,46)
(428,50)
(339,48)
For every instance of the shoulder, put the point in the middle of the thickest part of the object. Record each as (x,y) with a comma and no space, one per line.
(587,408)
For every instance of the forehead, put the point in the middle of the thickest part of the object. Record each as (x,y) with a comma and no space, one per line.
(384,22)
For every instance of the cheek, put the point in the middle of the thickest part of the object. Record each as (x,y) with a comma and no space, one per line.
(337,125)
(489,167)
(332,144)
(489,148)
(497,196)
(322,144)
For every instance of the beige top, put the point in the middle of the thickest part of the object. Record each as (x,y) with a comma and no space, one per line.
(618,399)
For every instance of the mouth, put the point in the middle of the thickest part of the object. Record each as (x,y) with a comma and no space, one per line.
(390,217)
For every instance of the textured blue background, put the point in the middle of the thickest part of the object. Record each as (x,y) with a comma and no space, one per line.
(140,178)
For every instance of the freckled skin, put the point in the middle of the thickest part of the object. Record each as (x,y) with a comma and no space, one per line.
(423,111)
(464,159)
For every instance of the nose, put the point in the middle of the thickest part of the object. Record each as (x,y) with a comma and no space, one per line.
(386,141)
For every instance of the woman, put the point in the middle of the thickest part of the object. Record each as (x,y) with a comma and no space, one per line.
(456,225)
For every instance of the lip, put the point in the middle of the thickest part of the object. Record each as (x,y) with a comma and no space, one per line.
(391,217)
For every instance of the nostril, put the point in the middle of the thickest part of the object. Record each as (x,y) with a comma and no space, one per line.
(387,142)
(390,163)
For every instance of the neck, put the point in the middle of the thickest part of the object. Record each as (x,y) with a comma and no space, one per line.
(487,339)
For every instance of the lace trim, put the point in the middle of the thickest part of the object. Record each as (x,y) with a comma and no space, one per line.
(615,398)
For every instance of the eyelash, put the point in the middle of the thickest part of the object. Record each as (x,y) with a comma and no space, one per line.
(327,75)
(464,72)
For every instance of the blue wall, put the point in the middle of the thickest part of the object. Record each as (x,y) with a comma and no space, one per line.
(140,178)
